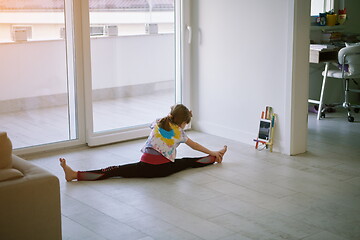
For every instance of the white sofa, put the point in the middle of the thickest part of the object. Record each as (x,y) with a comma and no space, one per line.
(29,198)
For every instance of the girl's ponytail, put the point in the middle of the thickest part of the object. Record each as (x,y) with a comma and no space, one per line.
(178,115)
(164,123)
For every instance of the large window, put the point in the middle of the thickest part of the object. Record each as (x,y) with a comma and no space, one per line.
(93,72)
(37,104)
(321,6)
(133,79)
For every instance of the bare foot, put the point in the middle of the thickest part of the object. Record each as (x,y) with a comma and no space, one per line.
(69,173)
(222,152)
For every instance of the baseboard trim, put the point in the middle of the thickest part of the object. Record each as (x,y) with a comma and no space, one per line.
(231,133)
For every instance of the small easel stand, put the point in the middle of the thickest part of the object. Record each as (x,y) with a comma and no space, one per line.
(268,115)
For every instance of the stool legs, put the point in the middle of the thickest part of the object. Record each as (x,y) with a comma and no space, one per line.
(322,90)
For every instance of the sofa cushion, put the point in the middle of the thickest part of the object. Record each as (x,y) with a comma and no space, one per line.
(30,206)
(5,151)
(9,174)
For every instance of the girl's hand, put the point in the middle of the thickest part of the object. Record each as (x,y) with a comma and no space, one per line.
(219,154)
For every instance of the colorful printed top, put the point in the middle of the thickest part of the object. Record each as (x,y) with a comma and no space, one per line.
(165,142)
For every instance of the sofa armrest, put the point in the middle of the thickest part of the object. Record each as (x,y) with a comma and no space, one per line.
(30,206)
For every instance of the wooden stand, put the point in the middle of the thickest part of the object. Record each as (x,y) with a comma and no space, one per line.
(269,115)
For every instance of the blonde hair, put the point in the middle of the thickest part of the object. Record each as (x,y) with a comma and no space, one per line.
(178,115)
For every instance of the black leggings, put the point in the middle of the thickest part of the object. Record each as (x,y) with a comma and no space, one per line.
(145,170)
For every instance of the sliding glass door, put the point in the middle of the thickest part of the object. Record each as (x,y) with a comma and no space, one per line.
(133,67)
(89,71)
(37,98)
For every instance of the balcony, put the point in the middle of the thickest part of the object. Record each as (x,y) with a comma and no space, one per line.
(133,81)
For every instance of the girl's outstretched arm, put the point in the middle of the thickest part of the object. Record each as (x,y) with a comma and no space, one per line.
(198,147)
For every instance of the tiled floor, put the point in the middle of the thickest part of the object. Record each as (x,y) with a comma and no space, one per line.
(49,125)
(251,195)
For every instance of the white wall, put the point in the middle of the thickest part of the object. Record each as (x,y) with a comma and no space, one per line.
(353,22)
(33,69)
(241,64)
(129,60)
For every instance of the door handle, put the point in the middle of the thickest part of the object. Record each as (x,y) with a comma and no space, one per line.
(189,33)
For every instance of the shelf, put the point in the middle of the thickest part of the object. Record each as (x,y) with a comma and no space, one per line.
(336,27)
